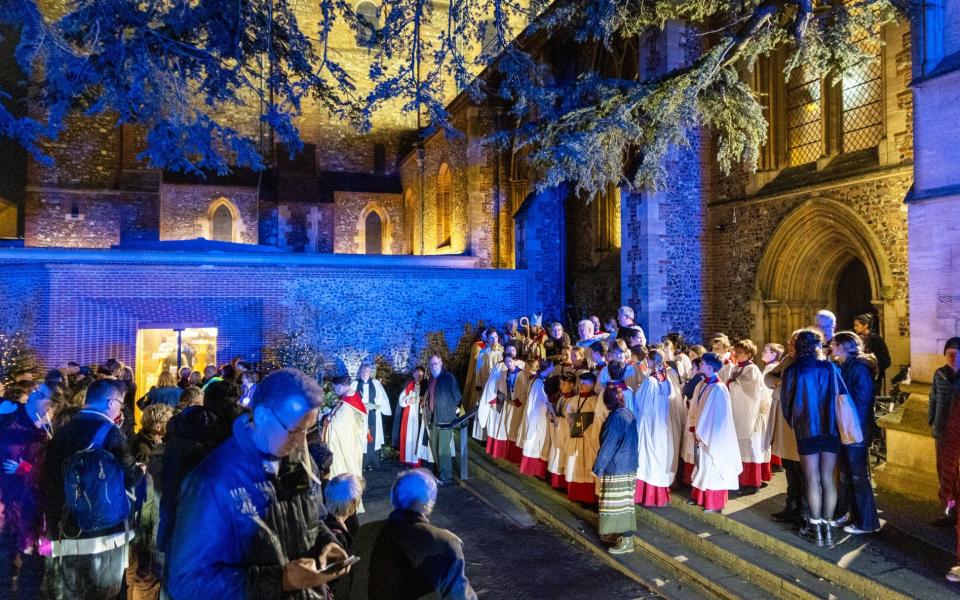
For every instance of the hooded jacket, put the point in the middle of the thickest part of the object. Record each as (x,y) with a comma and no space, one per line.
(808,397)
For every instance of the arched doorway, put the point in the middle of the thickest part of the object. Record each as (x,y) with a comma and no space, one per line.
(374,231)
(853,294)
(821,256)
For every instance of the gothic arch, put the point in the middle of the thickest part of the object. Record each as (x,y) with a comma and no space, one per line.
(236,226)
(802,263)
(386,228)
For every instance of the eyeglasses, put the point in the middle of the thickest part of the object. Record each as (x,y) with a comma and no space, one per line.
(303,431)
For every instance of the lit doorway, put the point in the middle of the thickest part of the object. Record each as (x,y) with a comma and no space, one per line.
(157,351)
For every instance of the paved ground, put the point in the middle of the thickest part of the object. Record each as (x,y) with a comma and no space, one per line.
(505,560)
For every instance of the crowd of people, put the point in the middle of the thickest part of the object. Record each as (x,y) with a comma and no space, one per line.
(615,421)
(234,486)
(231,487)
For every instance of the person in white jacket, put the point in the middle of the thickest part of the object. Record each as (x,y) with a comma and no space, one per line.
(377,404)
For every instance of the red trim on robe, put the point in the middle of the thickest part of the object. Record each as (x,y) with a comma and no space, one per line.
(582,492)
(775,460)
(766,472)
(355,401)
(514,453)
(534,467)
(751,475)
(403,440)
(709,499)
(497,448)
(558,481)
(651,495)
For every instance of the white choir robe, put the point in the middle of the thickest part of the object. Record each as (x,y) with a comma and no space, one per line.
(485,409)
(687,452)
(409,406)
(632,376)
(748,402)
(718,465)
(489,359)
(535,431)
(346,436)
(470,392)
(503,426)
(382,403)
(559,439)
(581,452)
(658,439)
(678,408)
(767,439)
(783,441)
(684,367)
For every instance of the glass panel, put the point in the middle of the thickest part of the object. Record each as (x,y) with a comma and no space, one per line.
(863,101)
(157,352)
(803,117)
(374,234)
(221,228)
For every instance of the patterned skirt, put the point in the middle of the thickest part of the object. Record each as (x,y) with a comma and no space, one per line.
(617,514)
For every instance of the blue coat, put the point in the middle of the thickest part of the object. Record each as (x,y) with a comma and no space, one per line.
(619,445)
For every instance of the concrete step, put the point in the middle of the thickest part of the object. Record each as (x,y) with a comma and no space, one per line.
(661,562)
(771,556)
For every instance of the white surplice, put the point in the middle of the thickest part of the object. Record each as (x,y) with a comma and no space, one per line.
(750,405)
(658,436)
(718,466)
(376,396)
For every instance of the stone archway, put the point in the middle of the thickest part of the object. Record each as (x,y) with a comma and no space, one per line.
(385,229)
(803,262)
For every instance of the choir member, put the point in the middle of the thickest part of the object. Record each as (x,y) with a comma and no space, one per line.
(750,404)
(534,434)
(716,451)
(656,412)
(507,410)
(346,430)
(579,412)
(560,431)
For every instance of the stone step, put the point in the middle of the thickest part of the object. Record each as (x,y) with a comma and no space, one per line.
(886,565)
(661,563)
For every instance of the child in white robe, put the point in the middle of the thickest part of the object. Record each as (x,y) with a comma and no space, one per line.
(507,411)
(751,406)
(535,430)
(658,436)
(717,452)
(771,359)
(488,360)
(560,431)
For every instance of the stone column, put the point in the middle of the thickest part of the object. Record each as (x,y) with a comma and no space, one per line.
(934,267)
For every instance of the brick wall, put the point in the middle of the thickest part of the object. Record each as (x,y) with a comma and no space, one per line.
(89,304)
(89,219)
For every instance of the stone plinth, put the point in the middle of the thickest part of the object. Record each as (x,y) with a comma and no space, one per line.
(911,467)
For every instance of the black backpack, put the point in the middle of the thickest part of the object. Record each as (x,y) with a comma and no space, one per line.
(93,485)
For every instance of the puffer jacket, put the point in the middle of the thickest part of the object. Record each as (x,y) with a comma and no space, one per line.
(619,443)
(858,376)
(238,525)
(808,397)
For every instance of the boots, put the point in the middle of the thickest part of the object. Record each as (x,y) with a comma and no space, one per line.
(812,531)
(624,546)
(828,531)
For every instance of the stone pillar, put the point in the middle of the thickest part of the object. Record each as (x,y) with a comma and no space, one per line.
(661,233)
(934,267)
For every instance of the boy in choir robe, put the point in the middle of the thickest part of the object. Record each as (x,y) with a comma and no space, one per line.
(488,358)
(538,415)
(472,387)
(631,374)
(560,431)
(658,414)
(487,415)
(688,442)
(716,452)
(507,410)
(771,359)
(584,441)
(409,405)
(720,345)
(346,431)
(751,407)
(378,404)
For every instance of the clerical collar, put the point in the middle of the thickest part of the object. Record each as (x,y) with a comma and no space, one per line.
(744,363)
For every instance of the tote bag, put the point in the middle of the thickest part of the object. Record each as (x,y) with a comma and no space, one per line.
(848,422)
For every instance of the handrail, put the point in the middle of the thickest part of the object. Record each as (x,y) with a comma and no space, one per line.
(461,424)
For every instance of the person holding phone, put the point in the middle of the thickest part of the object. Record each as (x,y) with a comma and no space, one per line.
(250,518)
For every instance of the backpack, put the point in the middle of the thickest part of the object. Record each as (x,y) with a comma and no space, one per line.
(93,485)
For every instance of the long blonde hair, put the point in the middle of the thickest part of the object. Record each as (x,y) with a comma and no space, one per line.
(166,380)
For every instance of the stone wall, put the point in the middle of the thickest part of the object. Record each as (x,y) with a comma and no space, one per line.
(88,219)
(593,276)
(185,211)
(351,210)
(90,304)
(540,227)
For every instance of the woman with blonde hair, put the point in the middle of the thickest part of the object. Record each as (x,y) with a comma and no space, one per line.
(165,392)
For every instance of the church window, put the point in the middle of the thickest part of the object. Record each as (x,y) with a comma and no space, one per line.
(373,230)
(804,116)
(862,104)
(368,24)
(444,205)
(221,225)
(605,213)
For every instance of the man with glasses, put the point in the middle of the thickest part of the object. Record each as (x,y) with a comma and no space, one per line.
(87,563)
(250,519)
(440,406)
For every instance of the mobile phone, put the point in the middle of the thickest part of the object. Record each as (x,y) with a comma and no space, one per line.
(342,564)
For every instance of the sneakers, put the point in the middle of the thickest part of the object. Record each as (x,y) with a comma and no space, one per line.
(842,521)
(954,574)
(624,546)
(857,531)
(812,532)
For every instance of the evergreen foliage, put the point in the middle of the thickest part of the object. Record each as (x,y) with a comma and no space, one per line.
(178,68)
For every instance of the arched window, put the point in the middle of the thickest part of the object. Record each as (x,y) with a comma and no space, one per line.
(373,244)
(862,103)
(444,199)
(368,26)
(605,215)
(223,221)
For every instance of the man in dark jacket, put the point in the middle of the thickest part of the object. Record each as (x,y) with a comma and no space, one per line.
(250,517)
(873,344)
(411,558)
(88,564)
(441,400)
